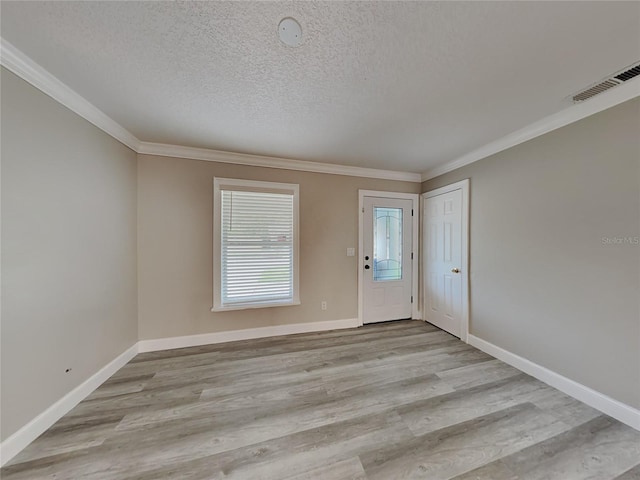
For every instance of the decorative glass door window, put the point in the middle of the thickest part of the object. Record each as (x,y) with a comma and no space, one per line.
(387,244)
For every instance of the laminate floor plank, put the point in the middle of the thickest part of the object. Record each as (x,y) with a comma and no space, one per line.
(599,448)
(55,442)
(386,401)
(631,474)
(350,469)
(270,346)
(299,452)
(565,408)
(451,451)
(306,359)
(491,471)
(433,414)
(468,376)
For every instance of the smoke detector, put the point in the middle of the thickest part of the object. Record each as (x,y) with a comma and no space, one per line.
(290,32)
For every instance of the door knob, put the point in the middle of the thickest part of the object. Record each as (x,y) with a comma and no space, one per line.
(455,270)
(367,267)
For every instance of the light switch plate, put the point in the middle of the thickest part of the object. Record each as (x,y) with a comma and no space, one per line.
(351,252)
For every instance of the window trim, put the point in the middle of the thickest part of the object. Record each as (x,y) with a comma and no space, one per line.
(219,182)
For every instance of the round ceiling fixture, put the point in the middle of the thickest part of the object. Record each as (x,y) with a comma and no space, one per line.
(290,32)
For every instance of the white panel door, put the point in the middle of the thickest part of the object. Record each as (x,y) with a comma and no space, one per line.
(442,261)
(387,273)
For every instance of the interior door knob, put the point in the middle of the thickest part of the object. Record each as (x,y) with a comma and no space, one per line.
(455,270)
(367,267)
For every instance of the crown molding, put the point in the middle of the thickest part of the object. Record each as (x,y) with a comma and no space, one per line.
(20,64)
(192,153)
(17,62)
(608,99)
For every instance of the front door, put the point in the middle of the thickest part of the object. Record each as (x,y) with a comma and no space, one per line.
(442,261)
(387,268)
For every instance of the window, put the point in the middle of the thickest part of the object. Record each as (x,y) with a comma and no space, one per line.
(387,244)
(255,244)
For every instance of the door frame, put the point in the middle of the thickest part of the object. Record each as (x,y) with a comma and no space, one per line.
(462,185)
(415,246)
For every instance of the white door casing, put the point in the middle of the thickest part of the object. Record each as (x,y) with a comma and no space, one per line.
(387,256)
(445,258)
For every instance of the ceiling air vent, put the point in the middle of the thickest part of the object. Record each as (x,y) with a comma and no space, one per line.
(629,73)
(617,78)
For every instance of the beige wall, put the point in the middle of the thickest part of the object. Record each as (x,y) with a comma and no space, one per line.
(543,284)
(68,251)
(175,283)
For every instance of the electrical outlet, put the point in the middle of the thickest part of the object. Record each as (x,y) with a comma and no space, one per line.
(323,305)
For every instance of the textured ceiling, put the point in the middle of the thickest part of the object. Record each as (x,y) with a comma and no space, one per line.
(392,85)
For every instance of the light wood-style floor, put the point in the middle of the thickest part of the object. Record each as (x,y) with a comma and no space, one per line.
(389,401)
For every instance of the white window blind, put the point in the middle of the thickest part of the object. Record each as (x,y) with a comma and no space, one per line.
(257,233)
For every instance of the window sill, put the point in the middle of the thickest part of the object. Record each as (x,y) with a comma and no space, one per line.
(249,306)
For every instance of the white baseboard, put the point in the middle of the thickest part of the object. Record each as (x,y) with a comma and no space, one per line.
(32,430)
(618,410)
(23,437)
(246,334)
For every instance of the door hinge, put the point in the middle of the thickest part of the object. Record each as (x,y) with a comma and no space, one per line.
(411,255)
(362,209)
(411,298)
(412,212)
